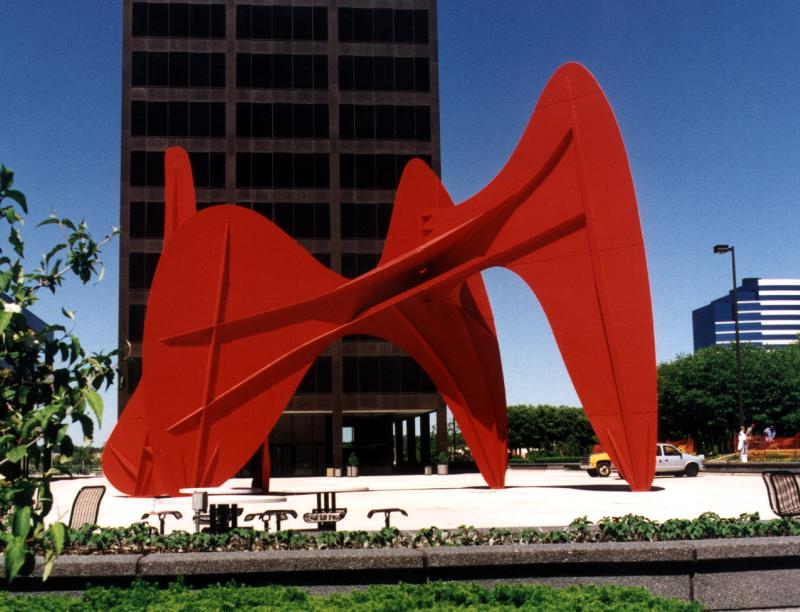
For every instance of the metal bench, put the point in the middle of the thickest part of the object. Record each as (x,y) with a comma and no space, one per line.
(86,506)
(387,512)
(162,517)
(326,514)
(280,515)
(783,488)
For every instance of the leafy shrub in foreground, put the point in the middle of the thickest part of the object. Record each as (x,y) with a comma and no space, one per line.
(432,596)
(142,538)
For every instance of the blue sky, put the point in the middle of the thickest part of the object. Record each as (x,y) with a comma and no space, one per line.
(705,94)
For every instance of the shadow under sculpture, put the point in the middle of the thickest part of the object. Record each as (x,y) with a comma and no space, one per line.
(238,311)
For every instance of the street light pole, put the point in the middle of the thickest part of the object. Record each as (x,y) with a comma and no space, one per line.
(719,249)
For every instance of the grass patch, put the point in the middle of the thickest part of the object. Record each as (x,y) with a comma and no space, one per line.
(433,596)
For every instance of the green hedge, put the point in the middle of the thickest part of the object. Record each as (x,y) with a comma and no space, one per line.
(143,538)
(432,596)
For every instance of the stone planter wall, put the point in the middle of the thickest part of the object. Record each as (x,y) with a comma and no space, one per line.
(720,574)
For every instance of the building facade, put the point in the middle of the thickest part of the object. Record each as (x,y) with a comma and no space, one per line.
(769,314)
(306,112)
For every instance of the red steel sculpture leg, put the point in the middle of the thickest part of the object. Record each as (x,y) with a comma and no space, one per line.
(238,311)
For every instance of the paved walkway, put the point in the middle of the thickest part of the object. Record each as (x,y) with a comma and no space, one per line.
(532,498)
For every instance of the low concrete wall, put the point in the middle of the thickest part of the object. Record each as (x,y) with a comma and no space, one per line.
(720,574)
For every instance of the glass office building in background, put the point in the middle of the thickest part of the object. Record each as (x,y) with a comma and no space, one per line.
(769,314)
(305,112)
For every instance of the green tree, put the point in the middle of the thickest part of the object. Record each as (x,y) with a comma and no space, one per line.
(47,380)
(697,393)
(550,430)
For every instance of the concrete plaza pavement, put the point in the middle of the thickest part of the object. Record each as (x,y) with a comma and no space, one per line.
(531,498)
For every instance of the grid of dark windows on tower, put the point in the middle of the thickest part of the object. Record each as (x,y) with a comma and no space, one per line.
(147,169)
(178,20)
(365,73)
(368,171)
(384,122)
(146,220)
(365,220)
(141,269)
(281,71)
(356,264)
(178,119)
(282,170)
(303,220)
(384,374)
(177,69)
(383,25)
(281,120)
(281,22)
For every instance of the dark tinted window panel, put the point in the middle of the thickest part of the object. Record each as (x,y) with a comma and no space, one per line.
(350,374)
(302,23)
(139,19)
(321,171)
(364,73)
(383,25)
(178,20)
(138,169)
(136,314)
(384,73)
(346,120)
(302,72)
(282,120)
(369,375)
(303,171)
(281,22)
(303,121)
(200,20)
(320,17)
(404,73)
(217,26)
(138,118)
(262,22)
(390,374)
(384,122)
(364,121)
(141,269)
(362,25)
(198,119)
(321,121)
(347,171)
(384,216)
(154,222)
(420,26)
(157,118)
(139,69)
(423,122)
(345,24)
(216,127)
(282,71)
(244,76)
(158,20)
(346,68)
(138,219)
(262,120)
(179,119)
(179,69)
(320,72)
(422,75)
(404,26)
(404,122)
(217,68)
(318,378)
(199,70)
(157,69)
(217,170)
(244,22)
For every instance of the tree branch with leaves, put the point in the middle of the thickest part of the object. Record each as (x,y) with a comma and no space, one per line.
(47,380)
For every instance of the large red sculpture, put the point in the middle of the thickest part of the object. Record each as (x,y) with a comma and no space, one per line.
(238,310)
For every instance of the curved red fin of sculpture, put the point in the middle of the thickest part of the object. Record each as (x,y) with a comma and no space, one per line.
(592,283)
(179,197)
(561,214)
